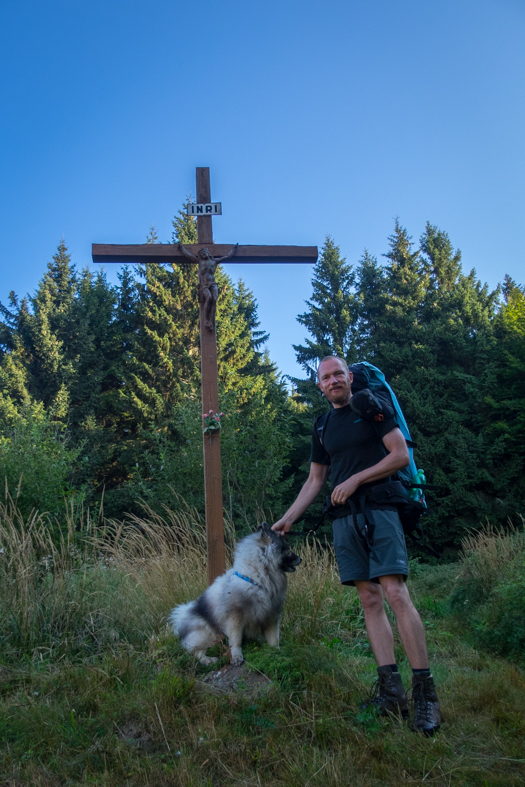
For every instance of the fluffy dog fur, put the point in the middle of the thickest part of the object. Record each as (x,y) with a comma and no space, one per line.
(236,608)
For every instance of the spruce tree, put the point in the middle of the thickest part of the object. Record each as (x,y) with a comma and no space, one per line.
(505,402)
(94,414)
(432,342)
(164,364)
(330,320)
(332,310)
(14,393)
(43,330)
(371,295)
(397,338)
(162,391)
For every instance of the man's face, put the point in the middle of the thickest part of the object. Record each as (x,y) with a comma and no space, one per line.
(335,382)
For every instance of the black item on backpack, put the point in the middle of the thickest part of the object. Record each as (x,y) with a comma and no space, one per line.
(372,407)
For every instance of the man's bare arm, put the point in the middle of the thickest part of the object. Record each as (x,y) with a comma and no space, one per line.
(311,488)
(397,458)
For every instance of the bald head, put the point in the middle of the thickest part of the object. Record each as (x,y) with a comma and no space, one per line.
(331,358)
(335,380)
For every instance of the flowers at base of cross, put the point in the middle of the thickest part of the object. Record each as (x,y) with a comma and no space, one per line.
(211,422)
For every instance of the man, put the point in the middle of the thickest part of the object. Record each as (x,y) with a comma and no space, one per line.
(370,547)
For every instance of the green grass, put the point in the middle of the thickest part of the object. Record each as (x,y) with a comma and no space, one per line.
(94,690)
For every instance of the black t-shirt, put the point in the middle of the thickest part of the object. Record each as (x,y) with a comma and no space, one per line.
(350,444)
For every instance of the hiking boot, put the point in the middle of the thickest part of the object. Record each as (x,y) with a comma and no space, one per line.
(388,694)
(427,713)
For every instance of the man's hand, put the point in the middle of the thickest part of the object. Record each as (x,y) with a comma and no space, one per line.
(282,527)
(310,490)
(343,491)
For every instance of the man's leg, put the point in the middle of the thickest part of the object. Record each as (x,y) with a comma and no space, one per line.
(427,718)
(377,624)
(408,620)
(389,695)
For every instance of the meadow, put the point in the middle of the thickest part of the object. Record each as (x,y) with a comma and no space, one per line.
(95,690)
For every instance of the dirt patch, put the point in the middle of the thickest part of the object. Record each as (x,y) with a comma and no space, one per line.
(236,680)
(5,674)
(132,734)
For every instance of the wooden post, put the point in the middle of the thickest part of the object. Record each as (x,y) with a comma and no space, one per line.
(210,401)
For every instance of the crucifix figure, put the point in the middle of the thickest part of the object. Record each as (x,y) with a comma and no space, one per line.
(208,290)
(207,255)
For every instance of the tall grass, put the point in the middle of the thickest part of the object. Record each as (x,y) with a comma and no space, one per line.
(490,554)
(97,585)
(489,591)
(105,584)
(95,690)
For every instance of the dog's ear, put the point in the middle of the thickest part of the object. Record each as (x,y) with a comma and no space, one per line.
(266,534)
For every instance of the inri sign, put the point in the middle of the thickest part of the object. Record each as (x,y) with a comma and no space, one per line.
(204,209)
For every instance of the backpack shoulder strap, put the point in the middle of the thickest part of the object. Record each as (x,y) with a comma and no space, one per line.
(320,425)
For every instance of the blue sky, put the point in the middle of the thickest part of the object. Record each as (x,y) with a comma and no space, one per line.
(314,117)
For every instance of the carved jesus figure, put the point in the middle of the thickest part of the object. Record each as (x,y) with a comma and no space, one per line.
(208,290)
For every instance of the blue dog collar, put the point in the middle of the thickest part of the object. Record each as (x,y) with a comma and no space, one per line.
(246,579)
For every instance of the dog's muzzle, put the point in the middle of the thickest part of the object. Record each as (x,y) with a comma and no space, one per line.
(290,562)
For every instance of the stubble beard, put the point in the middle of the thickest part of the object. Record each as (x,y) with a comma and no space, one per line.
(340,397)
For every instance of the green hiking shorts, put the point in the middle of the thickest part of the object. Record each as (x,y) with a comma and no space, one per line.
(387,554)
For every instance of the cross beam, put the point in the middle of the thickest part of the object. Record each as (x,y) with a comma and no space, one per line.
(170,253)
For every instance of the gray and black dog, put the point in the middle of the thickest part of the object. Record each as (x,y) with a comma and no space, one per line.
(245,602)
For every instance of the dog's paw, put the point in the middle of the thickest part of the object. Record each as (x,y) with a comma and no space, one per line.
(236,661)
(207,660)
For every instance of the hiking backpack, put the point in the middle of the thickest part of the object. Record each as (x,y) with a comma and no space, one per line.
(407,493)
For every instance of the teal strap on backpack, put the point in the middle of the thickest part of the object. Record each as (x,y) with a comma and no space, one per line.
(368,376)
(376,382)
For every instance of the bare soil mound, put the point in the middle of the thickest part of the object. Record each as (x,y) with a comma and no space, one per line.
(237,680)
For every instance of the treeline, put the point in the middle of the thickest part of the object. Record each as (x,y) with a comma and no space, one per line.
(100,392)
(100,400)
(453,351)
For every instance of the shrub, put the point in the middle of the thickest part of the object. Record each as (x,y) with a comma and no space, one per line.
(489,593)
(254,450)
(36,463)
(499,624)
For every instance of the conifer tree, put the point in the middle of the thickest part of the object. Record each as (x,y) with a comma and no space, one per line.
(434,341)
(331,319)
(164,360)
(163,370)
(14,393)
(371,295)
(430,329)
(93,415)
(332,310)
(246,306)
(152,236)
(505,401)
(397,343)
(43,330)
(184,226)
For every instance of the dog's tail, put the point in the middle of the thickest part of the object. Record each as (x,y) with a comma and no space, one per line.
(179,617)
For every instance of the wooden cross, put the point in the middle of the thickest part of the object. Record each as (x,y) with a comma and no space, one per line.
(162,253)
